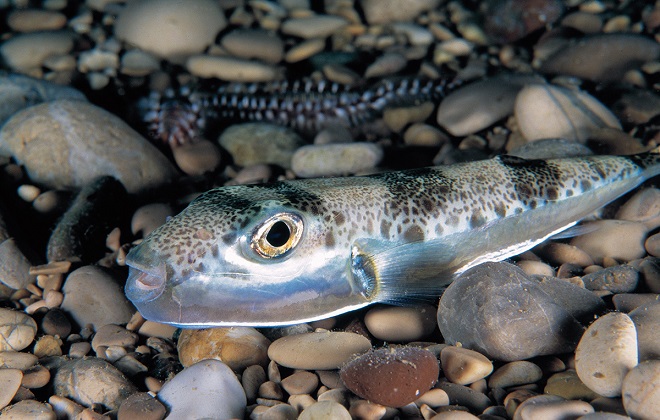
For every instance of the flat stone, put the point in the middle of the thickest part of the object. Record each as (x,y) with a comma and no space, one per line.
(643,207)
(617,279)
(606,352)
(138,63)
(207,389)
(385,11)
(114,335)
(304,50)
(335,159)
(35,377)
(17,330)
(401,323)
(300,383)
(317,26)
(551,406)
(10,359)
(94,296)
(231,69)
(478,105)
(28,409)
(61,145)
(547,111)
(319,350)
(237,347)
(32,20)
(627,302)
(30,50)
(603,57)
(325,410)
(567,384)
(641,391)
(141,405)
(618,239)
(168,28)
(91,380)
(10,381)
(258,143)
(464,366)
(14,266)
(251,379)
(254,43)
(465,396)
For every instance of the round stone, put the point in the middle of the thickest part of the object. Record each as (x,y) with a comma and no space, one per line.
(618,239)
(393,376)
(17,330)
(335,159)
(520,372)
(237,347)
(197,158)
(464,366)
(66,144)
(325,410)
(547,111)
(606,352)
(401,323)
(207,389)
(169,28)
(641,391)
(318,350)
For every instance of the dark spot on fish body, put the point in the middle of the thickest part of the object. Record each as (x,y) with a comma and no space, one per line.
(552,193)
(585,185)
(329,239)
(215,252)
(477,219)
(339,218)
(413,234)
(385,229)
(500,209)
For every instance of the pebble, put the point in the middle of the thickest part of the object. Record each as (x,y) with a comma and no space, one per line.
(304,50)
(138,63)
(237,347)
(649,268)
(517,317)
(626,302)
(254,43)
(28,409)
(559,253)
(420,134)
(551,407)
(258,143)
(168,28)
(510,20)
(149,217)
(207,389)
(652,245)
(231,69)
(300,383)
(17,330)
(32,20)
(478,105)
(317,350)
(197,158)
(643,207)
(48,345)
(386,11)
(584,22)
(464,366)
(11,381)
(400,323)
(520,372)
(61,146)
(335,159)
(567,384)
(317,26)
(433,398)
(460,395)
(113,335)
(14,265)
(550,149)
(618,239)
(641,391)
(393,376)
(536,268)
(603,57)
(35,377)
(156,329)
(143,406)
(386,65)
(325,410)
(606,352)
(647,318)
(10,359)
(24,52)
(396,119)
(617,279)
(94,296)
(547,111)
(91,380)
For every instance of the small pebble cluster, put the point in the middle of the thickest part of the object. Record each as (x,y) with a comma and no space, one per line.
(566,330)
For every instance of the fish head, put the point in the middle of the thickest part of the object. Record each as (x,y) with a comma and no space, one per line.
(244,255)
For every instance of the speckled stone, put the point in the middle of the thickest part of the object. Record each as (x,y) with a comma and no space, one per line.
(17,360)
(319,350)
(641,391)
(617,279)
(237,347)
(17,330)
(551,406)
(606,352)
(393,376)
(141,405)
(28,409)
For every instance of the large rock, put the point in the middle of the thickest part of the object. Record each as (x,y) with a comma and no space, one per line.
(501,312)
(66,144)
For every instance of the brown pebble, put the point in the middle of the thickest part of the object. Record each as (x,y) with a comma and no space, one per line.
(300,383)
(143,406)
(197,158)
(252,378)
(464,366)
(270,390)
(10,380)
(391,376)
(35,377)
(237,347)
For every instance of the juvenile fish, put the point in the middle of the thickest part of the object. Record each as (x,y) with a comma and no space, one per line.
(297,251)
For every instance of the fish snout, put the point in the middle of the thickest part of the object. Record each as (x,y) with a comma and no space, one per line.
(142,286)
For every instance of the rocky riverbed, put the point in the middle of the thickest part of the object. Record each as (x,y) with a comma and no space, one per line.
(102,140)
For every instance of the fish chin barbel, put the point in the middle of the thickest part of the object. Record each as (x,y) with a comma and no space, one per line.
(297,251)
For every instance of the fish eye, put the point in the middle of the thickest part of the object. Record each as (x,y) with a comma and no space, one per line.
(277,235)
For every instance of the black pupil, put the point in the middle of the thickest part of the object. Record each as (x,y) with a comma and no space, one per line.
(278,234)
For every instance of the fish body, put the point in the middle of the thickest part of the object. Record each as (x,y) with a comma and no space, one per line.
(306,106)
(302,250)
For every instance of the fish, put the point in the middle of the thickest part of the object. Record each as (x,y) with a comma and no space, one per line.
(306,106)
(296,251)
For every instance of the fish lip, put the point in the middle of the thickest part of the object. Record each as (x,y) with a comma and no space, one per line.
(142,287)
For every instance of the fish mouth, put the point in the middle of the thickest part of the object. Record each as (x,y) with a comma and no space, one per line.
(143,287)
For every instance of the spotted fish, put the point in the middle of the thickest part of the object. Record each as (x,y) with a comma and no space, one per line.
(297,251)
